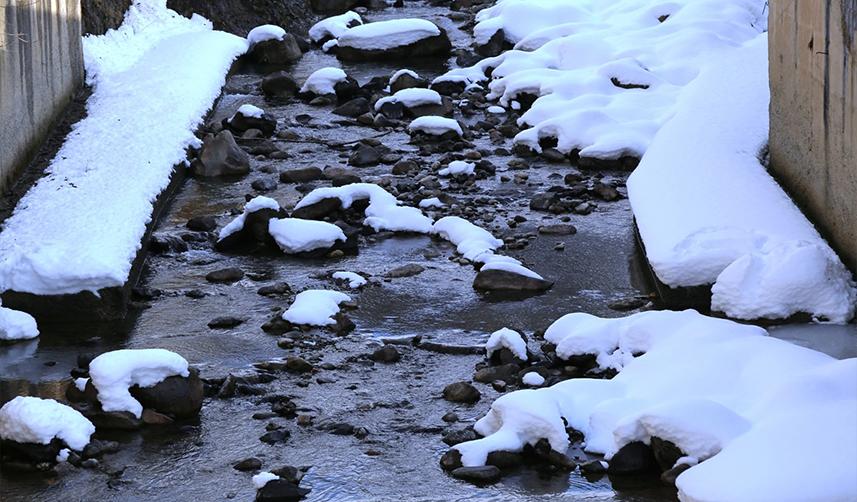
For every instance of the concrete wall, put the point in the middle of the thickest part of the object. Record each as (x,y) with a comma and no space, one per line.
(813,46)
(41,65)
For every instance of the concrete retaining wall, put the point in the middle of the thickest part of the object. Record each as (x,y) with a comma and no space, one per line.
(813,46)
(41,65)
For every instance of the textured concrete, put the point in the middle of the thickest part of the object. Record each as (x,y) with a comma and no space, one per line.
(41,65)
(814,113)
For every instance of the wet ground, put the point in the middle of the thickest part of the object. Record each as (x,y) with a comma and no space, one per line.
(398,404)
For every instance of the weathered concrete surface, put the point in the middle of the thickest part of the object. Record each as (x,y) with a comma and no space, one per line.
(41,65)
(814,113)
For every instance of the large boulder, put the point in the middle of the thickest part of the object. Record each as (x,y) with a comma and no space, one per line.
(275,52)
(175,396)
(395,39)
(220,156)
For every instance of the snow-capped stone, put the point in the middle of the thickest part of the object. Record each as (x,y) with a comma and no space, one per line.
(509,339)
(315,307)
(411,98)
(17,325)
(257,204)
(263,478)
(271,45)
(34,420)
(432,125)
(354,280)
(265,32)
(322,81)
(533,379)
(396,38)
(294,235)
(334,27)
(457,168)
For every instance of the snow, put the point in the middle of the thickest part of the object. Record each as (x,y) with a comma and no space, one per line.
(496,110)
(80,383)
(321,81)
(382,35)
(315,307)
(401,73)
(62,456)
(458,167)
(113,373)
(730,397)
(154,79)
(434,125)
(383,212)
(568,52)
(265,32)
(17,325)
(471,241)
(333,27)
(509,339)
(431,202)
(533,379)
(509,265)
(295,235)
(249,110)
(709,213)
(256,204)
(34,420)
(411,98)
(354,280)
(262,479)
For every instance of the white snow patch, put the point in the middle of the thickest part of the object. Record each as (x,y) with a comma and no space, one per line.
(383,35)
(411,98)
(80,383)
(17,325)
(34,420)
(497,110)
(321,81)
(507,338)
(248,110)
(334,27)
(113,373)
(400,73)
(354,280)
(262,479)
(533,379)
(315,307)
(434,125)
(153,81)
(458,167)
(265,32)
(295,235)
(236,225)
(431,202)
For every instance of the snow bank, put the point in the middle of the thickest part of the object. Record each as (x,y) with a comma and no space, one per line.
(509,339)
(388,34)
(383,212)
(265,32)
(17,325)
(354,280)
(33,420)
(153,81)
(434,125)
(606,74)
(315,307)
(321,81)
(334,27)
(411,98)
(725,393)
(113,373)
(709,213)
(294,235)
(237,224)
(458,167)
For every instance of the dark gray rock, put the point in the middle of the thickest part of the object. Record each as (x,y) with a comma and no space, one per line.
(364,156)
(227,275)
(280,85)
(502,280)
(461,392)
(633,458)
(386,354)
(409,270)
(481,475)
(220,156)
(301,175)
(275,53)
(280,490)
(175,396)
(248,464)
(353,108)
(454,437)
(201,223)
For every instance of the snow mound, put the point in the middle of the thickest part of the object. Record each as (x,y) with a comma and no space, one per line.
(354,280)
(262,479)
(321,81)
(458,167)
(509,339)
(315,307)
(334,27)
(383,212)
(725,393)
(294,235)
(265,32)
(388,34)
(709,213)
(606,74)
(33,420)
(435,126)
(113,373)
(154,79)
(431,202)
(17,325)
(411,98)
(533,379)
(248,110)
(236,225)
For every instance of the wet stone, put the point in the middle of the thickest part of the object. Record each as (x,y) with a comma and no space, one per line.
(482,474)
(297,364)
(276,436)
(461,392)
(558,229)
(409,270)
(202,223)
(386,354)
(452,438)
(225,322)
(226,275)
(248,464)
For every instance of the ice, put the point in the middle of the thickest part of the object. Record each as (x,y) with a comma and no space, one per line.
(458,167)
(153,79)
(265,32)
(17,325)
(434,125)
(333,27)
(34,420)
(354,280)
(295,235)
(257,203)
(382,35)
(411,98)
(315,307)
(321,81)
(507,338)
(113,373)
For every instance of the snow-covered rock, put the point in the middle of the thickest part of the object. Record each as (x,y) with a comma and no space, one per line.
(16,325)
(263,478)
(322,81)
(411,98)
(432,125)
(334,27)
(507,339)
(271,46)
(34,420)
(395,38)
(457,168)
(294,235)
(406,79)
(354,280)
(153,79)
(265,32)
(114,373)
(251,226)
(724,393)
(315,307)
(533,379)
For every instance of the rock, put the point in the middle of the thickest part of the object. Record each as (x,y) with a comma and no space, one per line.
(606,192)
(253,234)
(494,46)
(669,476)
(461,392)
(301,175)
(594,467)
(296,364)
(227,275)
(220,156)
(504,459)
(264,185)
(342,429)
(452,438)
(666,452)
(407,81)
(450,460)
(502,280)
(353,108)
(409,270)
(248,464)
(365,155)
(345,178)
(626,304)
(98,447)
(275,436)
(318,210)
(559,460)
(152,417)
(386,354)
(450,417)
(275,289)
(201,223)
(558,229)
(280,85)
(240,123)
(542,201)
(31,452)
(435,46)
(161,243)
(481,474)
(117,420)
(449,87)
(332,6)
(405,167)
(506,372)
(224,322)
(280,490)
(633,458)
(275,52)
(176,396)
